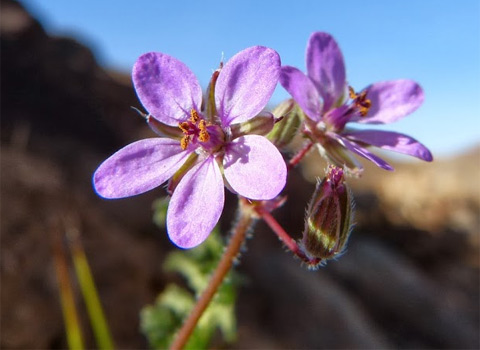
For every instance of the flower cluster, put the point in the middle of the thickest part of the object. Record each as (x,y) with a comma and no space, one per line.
(206,144)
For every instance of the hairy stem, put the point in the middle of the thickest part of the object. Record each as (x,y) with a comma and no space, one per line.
(216,280)
(299,156)
(285,237)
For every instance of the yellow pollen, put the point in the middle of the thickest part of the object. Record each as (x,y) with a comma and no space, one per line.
(184,142)
(352,93)
(360,101)
(203,136)
(194,116)
(195,127)
(184,127)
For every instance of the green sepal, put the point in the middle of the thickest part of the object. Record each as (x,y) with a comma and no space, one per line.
(210,108)
(289,118)
(262,124)
(175,179)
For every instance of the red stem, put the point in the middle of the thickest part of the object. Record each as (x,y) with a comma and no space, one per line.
(299,156)
(216,280)
(285,237)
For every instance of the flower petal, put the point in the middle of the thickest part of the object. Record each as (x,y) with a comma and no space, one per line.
(326,68)
(138,167)
(302,90)
(391,100)
(196,205)
(166,87)
(246,83)
(254,167)
(391,141)
(357,149)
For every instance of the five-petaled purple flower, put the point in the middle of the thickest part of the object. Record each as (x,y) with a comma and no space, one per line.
(206,152)
(329,104)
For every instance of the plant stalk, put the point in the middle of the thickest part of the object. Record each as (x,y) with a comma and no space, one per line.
(299,156)
(216,280)
(285,237)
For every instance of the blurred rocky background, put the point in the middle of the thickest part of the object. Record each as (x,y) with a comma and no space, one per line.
(409,278)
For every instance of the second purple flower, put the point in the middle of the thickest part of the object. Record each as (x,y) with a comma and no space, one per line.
(329,104)
(201,153)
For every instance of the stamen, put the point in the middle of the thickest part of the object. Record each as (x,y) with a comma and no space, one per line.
(203,136)
(185,126)
(193,129)
(184,142)
(360,101)
(194,116)
(352,93)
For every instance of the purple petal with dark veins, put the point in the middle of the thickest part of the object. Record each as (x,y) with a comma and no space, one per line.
(246,83)
(138,167)
(391,101)
(391,141)
(326,68)
(302,90)
(166,87)
(196,204)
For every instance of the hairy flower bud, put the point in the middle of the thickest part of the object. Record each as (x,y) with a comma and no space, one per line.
(289,117)
(329,217)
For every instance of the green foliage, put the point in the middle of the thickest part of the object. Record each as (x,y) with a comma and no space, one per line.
(91,298)
(160,321)
(159,207)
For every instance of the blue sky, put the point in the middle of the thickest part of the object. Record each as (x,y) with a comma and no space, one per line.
(435,42)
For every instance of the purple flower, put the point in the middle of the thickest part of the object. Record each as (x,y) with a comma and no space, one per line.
(329,104)
(201,151)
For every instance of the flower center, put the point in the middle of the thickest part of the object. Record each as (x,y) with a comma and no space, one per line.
(336,119)
(193,129)
(360,101)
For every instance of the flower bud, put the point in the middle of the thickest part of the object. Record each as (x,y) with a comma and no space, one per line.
(329,217)
(289,116)
(262,124)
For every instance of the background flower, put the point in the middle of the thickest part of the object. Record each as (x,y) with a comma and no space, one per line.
(329,104)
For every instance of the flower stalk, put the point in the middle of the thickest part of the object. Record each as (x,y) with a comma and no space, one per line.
(226,262)
(286,238)
(299,156)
